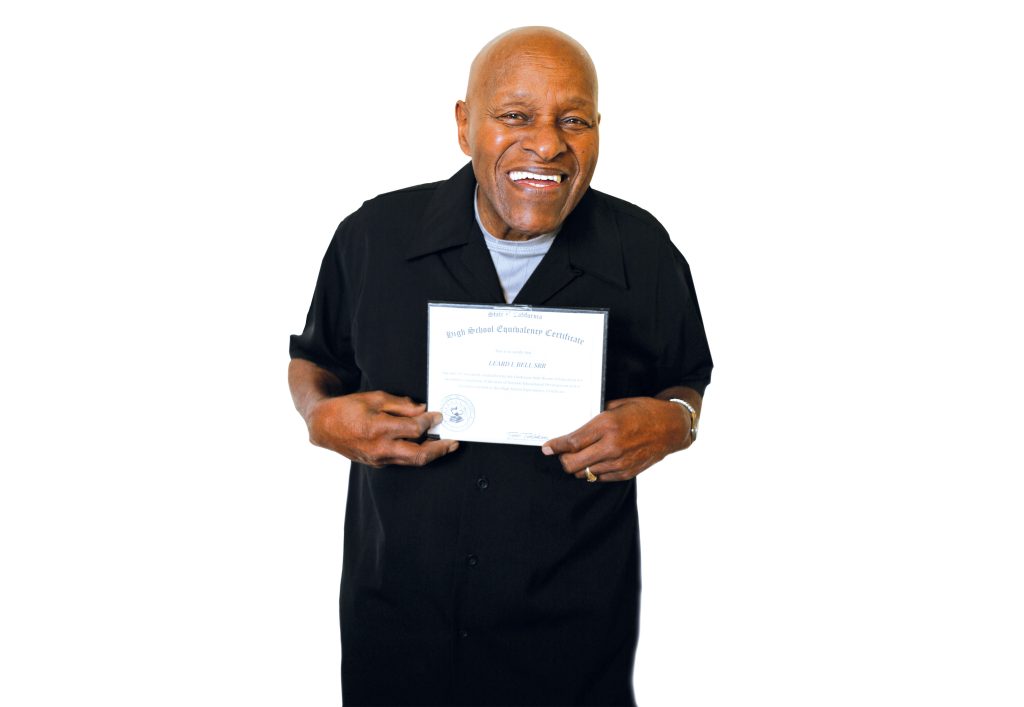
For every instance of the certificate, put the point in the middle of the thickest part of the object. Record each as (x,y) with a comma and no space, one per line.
(514,374)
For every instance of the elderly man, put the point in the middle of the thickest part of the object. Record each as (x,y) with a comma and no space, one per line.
(491,573)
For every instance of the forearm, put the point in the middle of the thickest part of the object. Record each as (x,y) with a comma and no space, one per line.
(309,384)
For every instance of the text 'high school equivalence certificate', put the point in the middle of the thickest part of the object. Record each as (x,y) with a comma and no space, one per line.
(514,374)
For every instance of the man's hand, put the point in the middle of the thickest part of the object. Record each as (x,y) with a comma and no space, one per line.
(370,428)
(631,435)
(377,429)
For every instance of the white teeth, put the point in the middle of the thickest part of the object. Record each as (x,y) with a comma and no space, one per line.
(516,176)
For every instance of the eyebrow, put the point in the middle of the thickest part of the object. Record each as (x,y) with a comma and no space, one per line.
(577,102)
(526,99)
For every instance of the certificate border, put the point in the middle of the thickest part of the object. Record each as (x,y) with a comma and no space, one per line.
(521,307)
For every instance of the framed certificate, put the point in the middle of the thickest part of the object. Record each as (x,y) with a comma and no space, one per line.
(514,374)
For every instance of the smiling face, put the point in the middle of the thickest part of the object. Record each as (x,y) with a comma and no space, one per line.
(529,123)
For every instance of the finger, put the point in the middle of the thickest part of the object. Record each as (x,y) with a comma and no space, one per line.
(395,427)
(605,466)
(626,473)
(395,405)
(574,441)
(427,420)
(596,456)
(424,422)
(404,453)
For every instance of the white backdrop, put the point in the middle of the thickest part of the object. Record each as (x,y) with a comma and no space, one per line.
(844,178)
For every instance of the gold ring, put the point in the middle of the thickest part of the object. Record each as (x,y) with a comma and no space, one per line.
(590,476)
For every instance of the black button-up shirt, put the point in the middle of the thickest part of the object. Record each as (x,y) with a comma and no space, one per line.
(491,576)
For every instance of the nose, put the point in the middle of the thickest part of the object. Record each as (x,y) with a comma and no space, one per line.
(544,139)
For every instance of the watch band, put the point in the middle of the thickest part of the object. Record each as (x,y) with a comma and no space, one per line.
(694,421)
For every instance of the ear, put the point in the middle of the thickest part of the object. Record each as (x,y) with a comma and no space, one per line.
(462,120)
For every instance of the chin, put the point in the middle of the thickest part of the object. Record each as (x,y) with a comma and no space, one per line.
(538,226)
(534,231)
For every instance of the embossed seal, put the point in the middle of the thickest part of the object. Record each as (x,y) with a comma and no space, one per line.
(458,412)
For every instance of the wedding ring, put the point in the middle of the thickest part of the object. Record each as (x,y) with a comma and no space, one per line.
(590,475)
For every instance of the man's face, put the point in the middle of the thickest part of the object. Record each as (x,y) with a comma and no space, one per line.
(530,127)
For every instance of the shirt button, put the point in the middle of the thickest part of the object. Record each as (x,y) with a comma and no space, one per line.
(472,560)
(482,483)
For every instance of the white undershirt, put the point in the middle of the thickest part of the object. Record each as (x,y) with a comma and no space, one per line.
(515,261)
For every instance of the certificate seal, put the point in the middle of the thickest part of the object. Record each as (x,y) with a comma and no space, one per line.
(458,412)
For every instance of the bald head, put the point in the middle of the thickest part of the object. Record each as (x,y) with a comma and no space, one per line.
(544,45)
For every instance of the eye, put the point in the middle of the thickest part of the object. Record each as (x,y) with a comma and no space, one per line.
(575,122)
(513,116)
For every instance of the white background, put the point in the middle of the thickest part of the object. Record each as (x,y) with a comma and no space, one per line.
(845,179)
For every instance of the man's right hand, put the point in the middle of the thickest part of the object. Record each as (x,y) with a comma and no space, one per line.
(370,428)
(376,429)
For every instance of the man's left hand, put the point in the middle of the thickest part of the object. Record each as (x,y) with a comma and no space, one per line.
(631,435)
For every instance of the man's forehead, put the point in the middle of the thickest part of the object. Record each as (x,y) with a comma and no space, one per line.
(539,60)
(525,78)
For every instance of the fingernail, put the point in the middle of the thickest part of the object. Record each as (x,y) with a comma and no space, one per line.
(452,447)
(546,450)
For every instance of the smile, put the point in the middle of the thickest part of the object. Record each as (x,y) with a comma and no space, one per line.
(531,177)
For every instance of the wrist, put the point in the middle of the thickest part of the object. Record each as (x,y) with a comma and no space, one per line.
(322,421)
(692,417)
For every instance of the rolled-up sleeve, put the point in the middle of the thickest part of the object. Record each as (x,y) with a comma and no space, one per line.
(686,358)
(326,339)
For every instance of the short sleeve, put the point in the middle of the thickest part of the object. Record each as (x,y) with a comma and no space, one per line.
(326,339)
(686,358)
